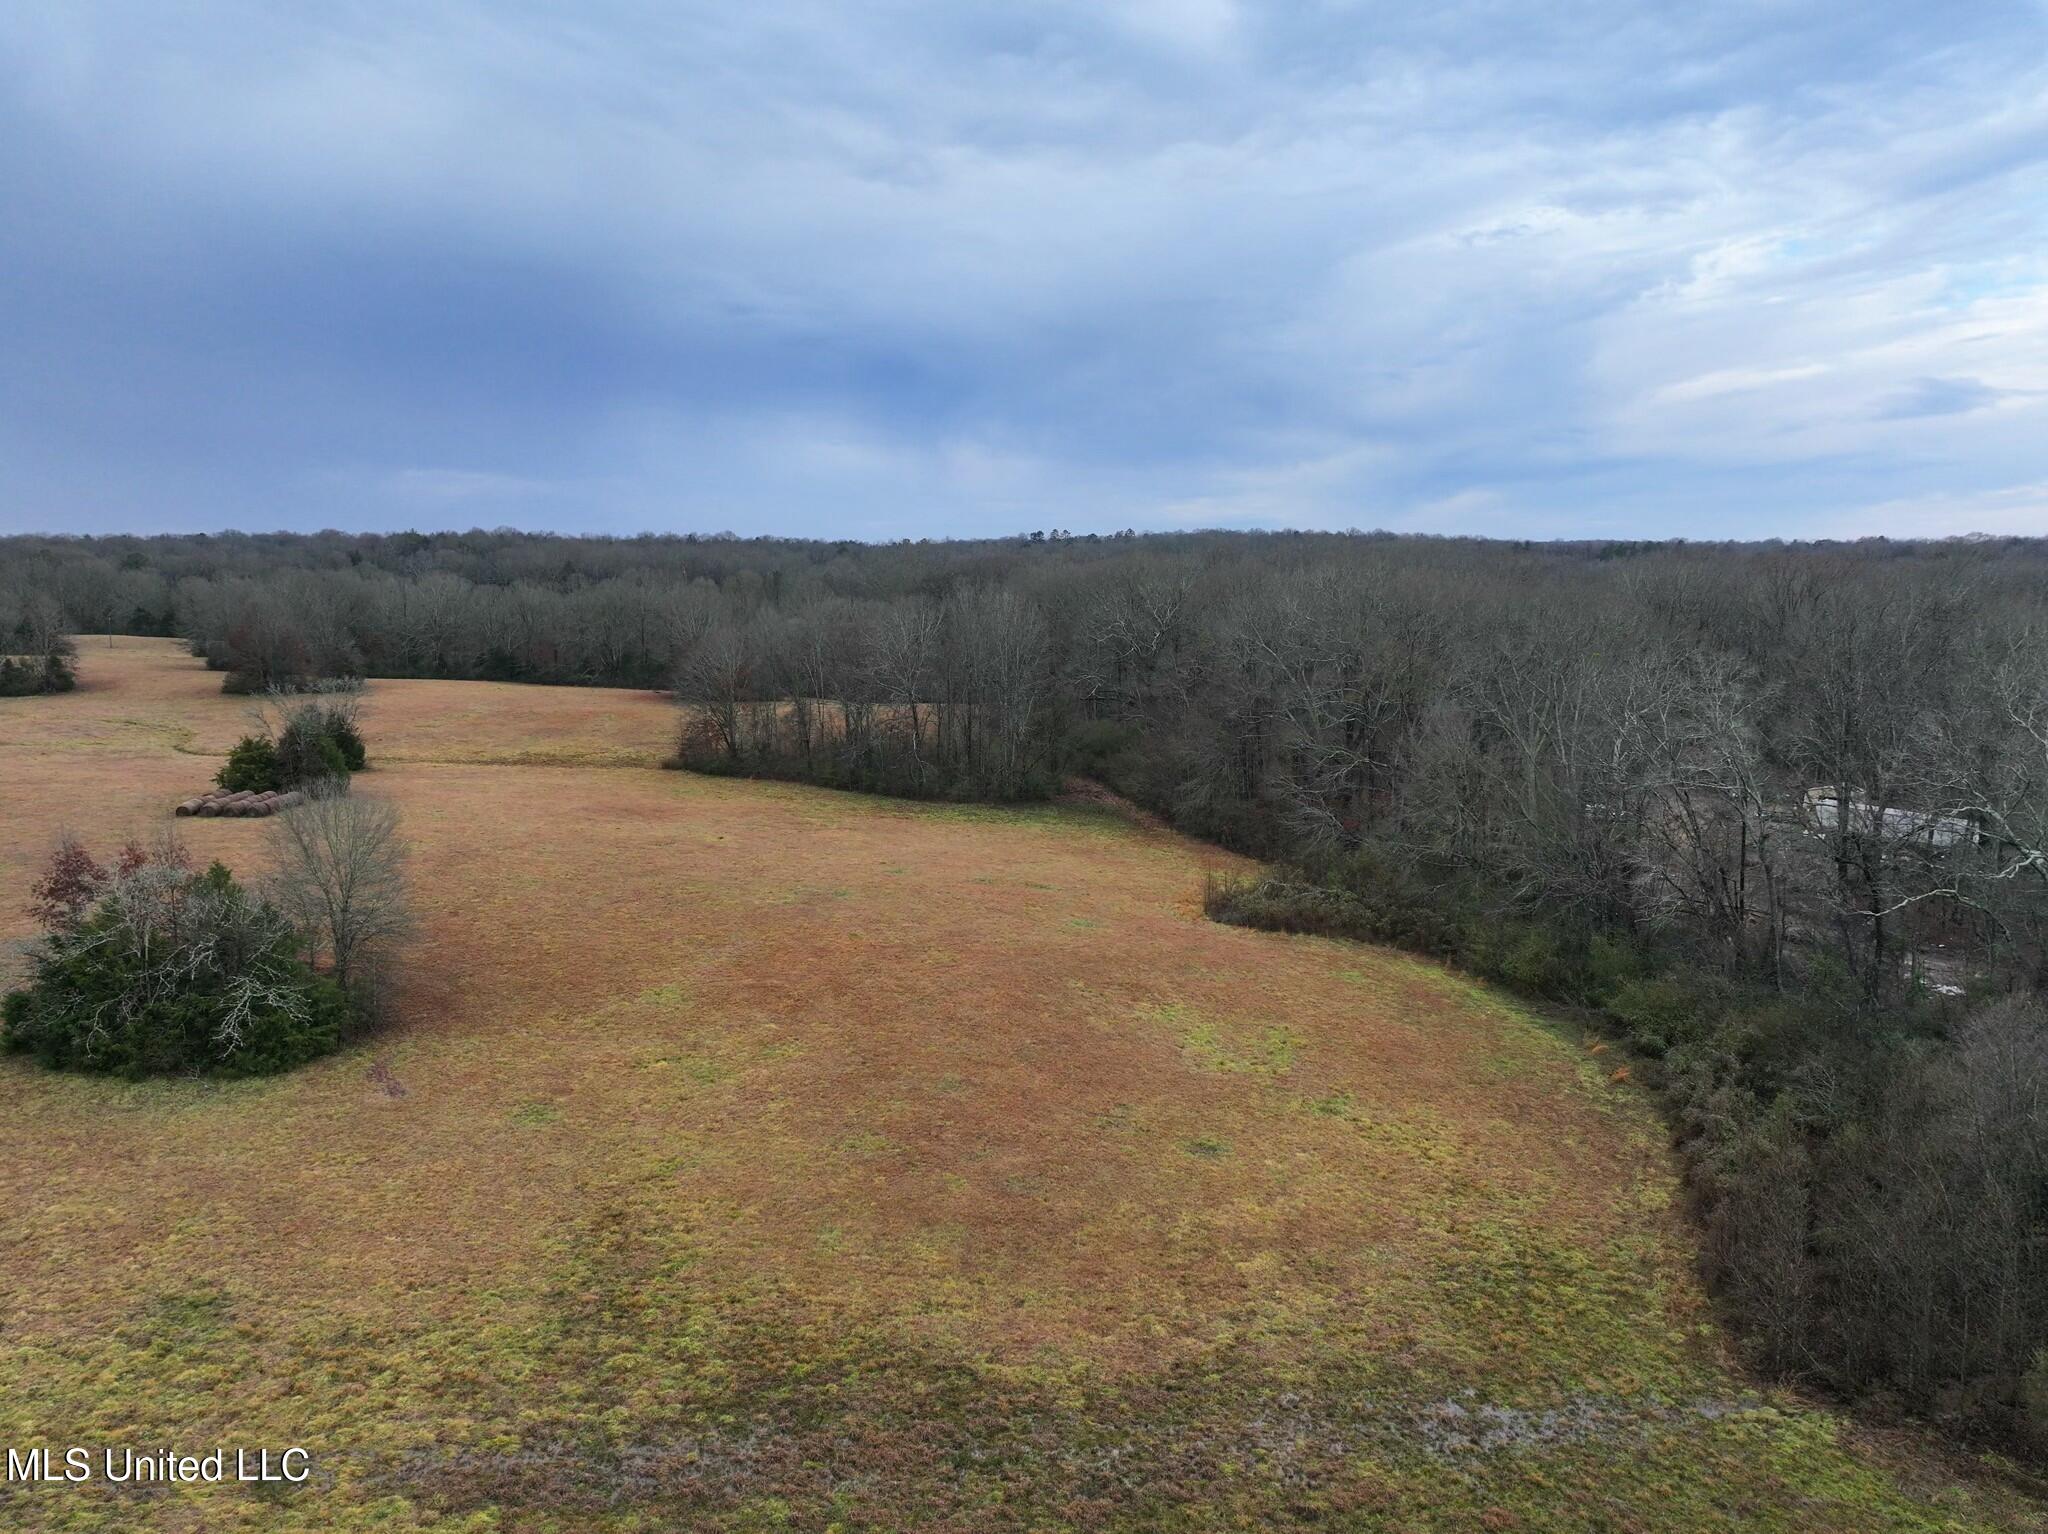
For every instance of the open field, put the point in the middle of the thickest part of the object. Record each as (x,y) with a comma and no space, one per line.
(753,1157)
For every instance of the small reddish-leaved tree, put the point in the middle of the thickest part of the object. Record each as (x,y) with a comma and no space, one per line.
(71,882)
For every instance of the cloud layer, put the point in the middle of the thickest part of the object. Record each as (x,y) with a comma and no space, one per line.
(908,269)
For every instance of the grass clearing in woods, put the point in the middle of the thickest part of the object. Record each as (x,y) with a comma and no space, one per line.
(753,1156)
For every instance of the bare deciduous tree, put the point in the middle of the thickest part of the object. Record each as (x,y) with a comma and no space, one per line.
(341,876)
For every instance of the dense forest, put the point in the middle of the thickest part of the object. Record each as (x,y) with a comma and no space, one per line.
(1773,815)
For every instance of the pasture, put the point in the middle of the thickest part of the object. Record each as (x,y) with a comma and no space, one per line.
(750,1156)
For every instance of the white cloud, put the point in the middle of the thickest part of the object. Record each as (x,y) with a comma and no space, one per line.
(1736,381)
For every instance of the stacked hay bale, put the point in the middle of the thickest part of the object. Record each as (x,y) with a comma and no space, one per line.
(243,804)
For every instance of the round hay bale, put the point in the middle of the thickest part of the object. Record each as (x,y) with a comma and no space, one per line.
(208,807)
(188,807)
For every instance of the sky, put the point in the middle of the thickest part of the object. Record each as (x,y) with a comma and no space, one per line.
(898,269)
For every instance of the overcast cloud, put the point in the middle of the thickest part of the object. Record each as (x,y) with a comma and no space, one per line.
(1739,269)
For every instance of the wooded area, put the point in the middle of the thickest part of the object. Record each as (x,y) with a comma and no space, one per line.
(1774,813)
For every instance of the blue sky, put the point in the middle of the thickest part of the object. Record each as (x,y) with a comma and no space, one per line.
(906,269)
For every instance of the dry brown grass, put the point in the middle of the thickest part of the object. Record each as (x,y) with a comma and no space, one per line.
(751,1154)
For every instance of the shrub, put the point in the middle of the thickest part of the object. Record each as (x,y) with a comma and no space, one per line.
(306,752)
(314,743)
(1296,902)
(35,652)
(347,739)
(1613,960)
(21,678)
(1553,960)
(252,767)
(1656,1012)
(174,972)
(1540,960)
(26,676)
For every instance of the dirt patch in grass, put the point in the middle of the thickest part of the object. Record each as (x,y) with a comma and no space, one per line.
(751,1156)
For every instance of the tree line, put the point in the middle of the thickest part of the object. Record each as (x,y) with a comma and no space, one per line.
(1773,814)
